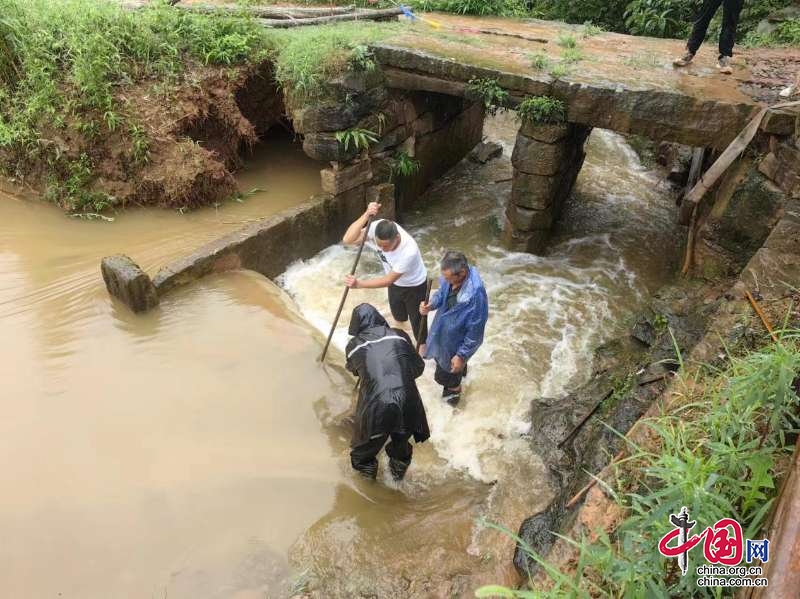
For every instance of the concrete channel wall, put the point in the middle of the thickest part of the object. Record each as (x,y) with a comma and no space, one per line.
(440,130)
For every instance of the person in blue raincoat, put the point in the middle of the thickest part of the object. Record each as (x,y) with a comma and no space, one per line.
(457,330)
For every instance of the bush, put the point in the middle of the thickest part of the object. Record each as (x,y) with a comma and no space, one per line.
(659,18)
(488,91)
(786,34)
(542,109)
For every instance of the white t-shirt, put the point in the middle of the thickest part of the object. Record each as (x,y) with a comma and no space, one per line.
(405,260)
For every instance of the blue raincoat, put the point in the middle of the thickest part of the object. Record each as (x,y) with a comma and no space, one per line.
(459,330)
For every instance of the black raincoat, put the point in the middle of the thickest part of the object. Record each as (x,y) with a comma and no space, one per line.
(386,362)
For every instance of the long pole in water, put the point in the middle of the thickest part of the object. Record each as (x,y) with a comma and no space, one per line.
(346,290)
(424,318)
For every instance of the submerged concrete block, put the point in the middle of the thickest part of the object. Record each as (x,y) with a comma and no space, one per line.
(129,283)
(525,219)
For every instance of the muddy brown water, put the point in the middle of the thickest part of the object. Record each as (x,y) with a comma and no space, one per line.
(200,451)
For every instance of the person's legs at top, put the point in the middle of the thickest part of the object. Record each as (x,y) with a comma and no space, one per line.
(450,382)
(699,30)
(727,35)
(363,457)
(399,451)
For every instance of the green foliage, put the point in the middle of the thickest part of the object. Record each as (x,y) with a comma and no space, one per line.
(539,61)
(717,454)
(505,8)
(360,139)
(542,109)
(361,58)
(489,92)
(63,63)
(787,33)
(659,18)
(404,165)
(604,13)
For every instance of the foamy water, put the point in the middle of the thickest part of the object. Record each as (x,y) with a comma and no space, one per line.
(547,313)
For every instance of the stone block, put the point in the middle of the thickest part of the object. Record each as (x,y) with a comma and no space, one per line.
(538,158)
(360,81)
(384,195)
(485,151)
(533,191)
(326,148)
(775,170)
(391,139)
(339,115)
(423,124)
(545,133)
(324,118)
(129,283)
(354,202)
(341,178)
(525,219)
(779,121)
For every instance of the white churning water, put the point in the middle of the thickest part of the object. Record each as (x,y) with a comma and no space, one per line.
(547,313)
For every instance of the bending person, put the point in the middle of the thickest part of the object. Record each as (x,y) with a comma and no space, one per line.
(389,405)
(457,330)
(405,273)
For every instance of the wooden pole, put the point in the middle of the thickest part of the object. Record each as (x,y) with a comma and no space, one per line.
(424,318)
(365,15)
(346,290)
(761,315)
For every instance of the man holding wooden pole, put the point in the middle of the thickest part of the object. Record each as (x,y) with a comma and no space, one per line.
(405,274)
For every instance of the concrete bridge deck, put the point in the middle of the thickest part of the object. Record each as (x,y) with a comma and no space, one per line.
(622,82)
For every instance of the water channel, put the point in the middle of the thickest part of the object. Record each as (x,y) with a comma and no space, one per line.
(200,451)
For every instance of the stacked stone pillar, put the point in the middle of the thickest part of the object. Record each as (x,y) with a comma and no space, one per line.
(546,159)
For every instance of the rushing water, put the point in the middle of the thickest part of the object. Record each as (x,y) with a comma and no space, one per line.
(200,451)
(546,316)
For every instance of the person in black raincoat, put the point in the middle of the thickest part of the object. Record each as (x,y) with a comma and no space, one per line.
(389,404)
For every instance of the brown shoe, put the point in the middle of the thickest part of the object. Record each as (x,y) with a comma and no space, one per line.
(724,65)
(683,60)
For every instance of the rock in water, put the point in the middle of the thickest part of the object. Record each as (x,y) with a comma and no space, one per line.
(485,151)
(129,283)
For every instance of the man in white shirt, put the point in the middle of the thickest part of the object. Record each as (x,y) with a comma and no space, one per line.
(405,273)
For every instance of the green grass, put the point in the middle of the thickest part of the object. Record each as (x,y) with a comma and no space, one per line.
(571,55)
(307,57)
(567,41)
(719,452)
(65,66)
(540,61)
(559,71)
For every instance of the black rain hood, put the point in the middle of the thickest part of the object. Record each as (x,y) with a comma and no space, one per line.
(365,316)
(387,363)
